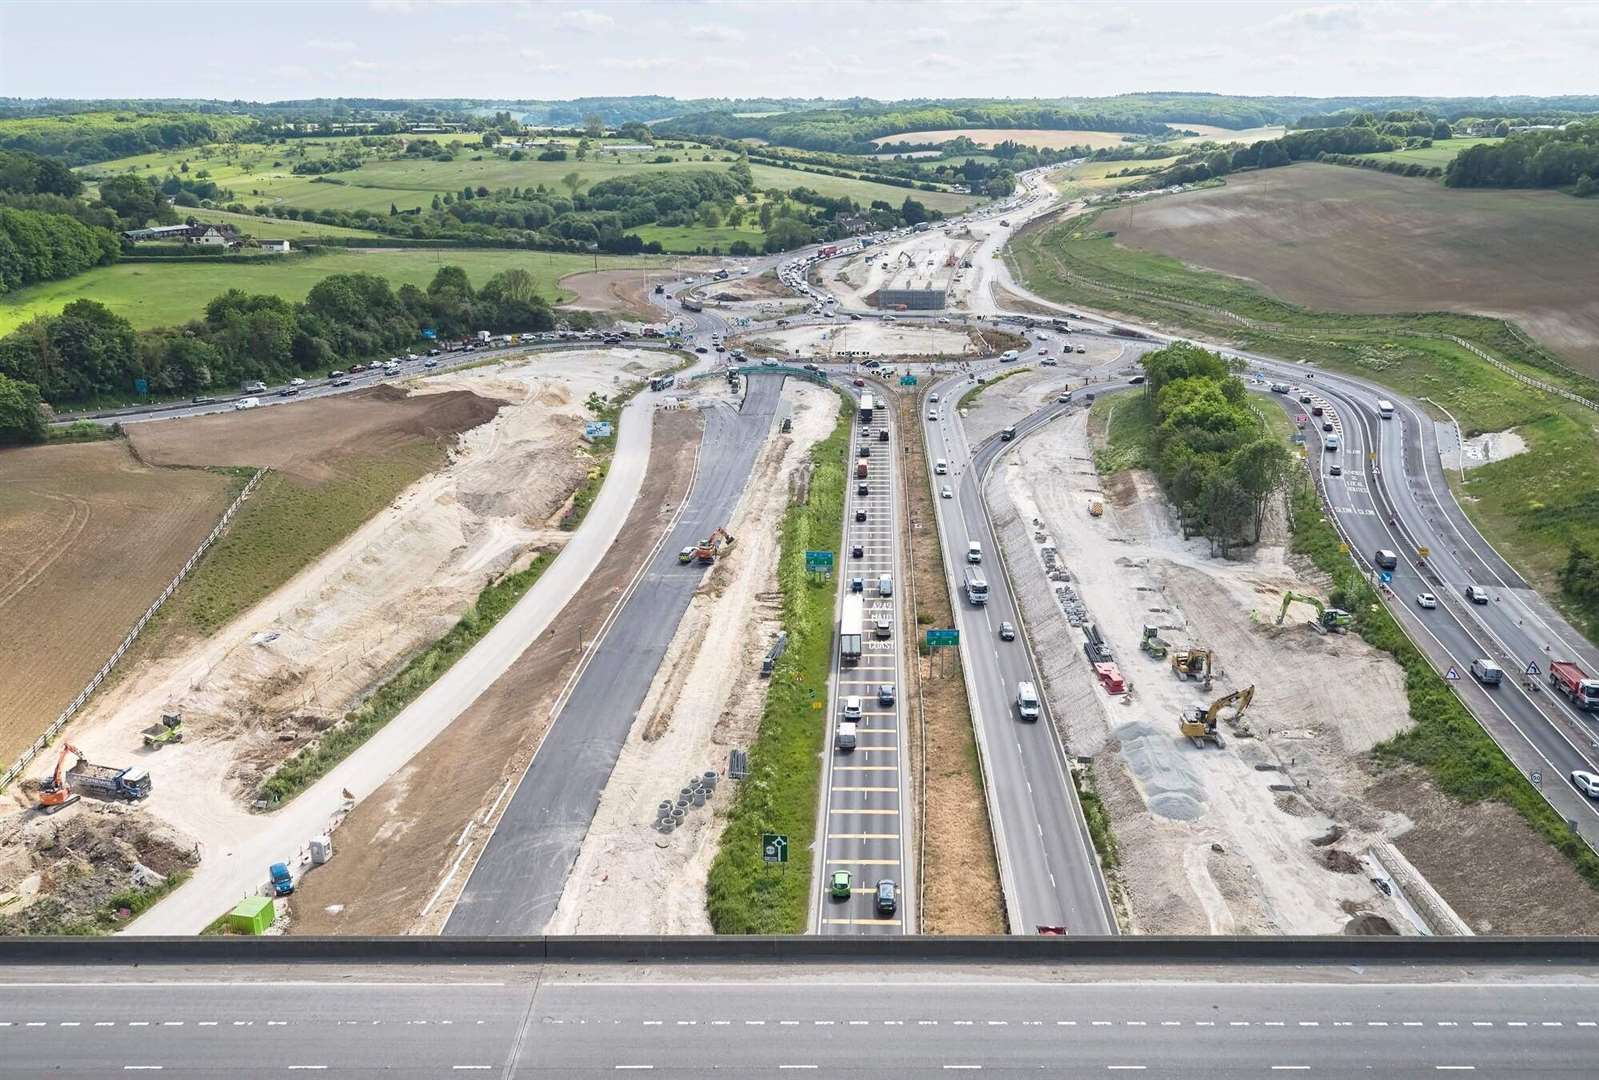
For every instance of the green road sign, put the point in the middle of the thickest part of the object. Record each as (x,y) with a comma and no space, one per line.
(938,639)
(774,847)
(817,561)
(907,380)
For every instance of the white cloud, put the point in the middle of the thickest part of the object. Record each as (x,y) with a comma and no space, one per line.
(325,45)
(1322,19)
(537,64)
(928,35)
(364,65)
(637,63)
(394,7)
(584,19)
(721,35)
(942,60)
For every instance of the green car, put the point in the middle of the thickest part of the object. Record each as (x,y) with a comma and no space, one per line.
(840,887)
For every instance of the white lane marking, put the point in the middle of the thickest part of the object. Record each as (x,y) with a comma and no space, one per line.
(788,1023)
(207,1023)
(1136,1023)
(1171,1023)
(823,1023)
(470,1068)
(1412,1023)
(1310,1023)
(652,1023)
(138,1023)
(1101,1023)
(724,1023)
(1587,1023)
(998,1023)
(105,1023)
(1515,1023)
(1114,1068)
(1482,1023)
(796,1066)
(621,1067)
(307,1068)
(754,1023)
(1455,1068)
(1272,1023)
(172,1023)
(1289,1068)
(142,1068)
(1238,1023)
(1552,1023)
(162,983)
(1447,1023)
(282,1023)
(1376,1023)
(963,1066)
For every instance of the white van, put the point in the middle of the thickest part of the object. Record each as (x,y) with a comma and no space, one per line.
(1026,701)
(940,467)
(246,403)
(1010,354)
(845,739)
(885,585)
(1486,672)
(974,552)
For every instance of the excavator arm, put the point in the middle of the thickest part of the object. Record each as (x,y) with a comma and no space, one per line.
(1290,597)
(55,793)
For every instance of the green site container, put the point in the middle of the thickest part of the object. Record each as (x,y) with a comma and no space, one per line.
(253,915)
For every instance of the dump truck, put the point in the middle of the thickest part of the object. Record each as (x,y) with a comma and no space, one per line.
(109,781)
(168,730)
(1151,642)
(1566,677)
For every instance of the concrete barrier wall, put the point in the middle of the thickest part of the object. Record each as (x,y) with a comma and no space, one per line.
(878,950)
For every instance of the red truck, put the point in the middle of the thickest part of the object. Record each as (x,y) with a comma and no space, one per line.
(1566,677)
(830,249)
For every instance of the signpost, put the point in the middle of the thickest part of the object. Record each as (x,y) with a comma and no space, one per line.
(774,847)
(1453,674)
(818,562)
(907,380)
(942,639)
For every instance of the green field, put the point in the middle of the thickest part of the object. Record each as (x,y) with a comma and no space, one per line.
(1093,177)
(262,175)
(688,238)
(1532,506)
(1439,153)
(149,294)
(270,228)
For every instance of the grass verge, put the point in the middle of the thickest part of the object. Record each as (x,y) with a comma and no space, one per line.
(49,916)
(744,895)
(1444,738)
(960,887)
(1098,818)
(84,431)
(424,669)
(1533,507)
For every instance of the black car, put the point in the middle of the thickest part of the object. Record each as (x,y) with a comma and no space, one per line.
(857,552)
(289,391)
(1326,425)
(882,436)
(862,490)
(1337,470)
(860,515)
(202,401)
(866,451)
(887,901)
(701,349)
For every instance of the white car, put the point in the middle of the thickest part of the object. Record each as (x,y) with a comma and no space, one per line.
(945,493)
(933,398)
(1426,600)
(932,414)
(296,382)
(1586,782)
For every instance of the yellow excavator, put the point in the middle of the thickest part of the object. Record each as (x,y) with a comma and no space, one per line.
(1329,620)
(1199,724)
(1193,662)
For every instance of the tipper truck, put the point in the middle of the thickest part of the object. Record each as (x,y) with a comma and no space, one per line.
(109,781)
(1566,677)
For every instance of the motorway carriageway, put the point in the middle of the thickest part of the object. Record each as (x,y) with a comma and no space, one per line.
(508,1021)
(1393,494)
(1048,868)
(864,812)
(518,879)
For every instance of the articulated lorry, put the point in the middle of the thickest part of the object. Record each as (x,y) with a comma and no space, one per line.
(850,629)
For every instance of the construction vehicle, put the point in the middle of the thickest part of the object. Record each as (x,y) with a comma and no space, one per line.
(1192,662)
(709,549)
(103,780)
(169,730)
(1328,620)
(1199,724)
(1566,677)
(1151,642)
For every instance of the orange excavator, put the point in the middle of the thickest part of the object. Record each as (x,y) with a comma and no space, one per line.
(54,793)
(709,549)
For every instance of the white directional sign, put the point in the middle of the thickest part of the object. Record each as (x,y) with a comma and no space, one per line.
(1532,668)
(1452,675)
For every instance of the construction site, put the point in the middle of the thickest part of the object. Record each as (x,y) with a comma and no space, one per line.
(1225,719)
(205,721)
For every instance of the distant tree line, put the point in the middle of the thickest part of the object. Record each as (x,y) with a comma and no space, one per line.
(82,138)
(89,351)
(1212,457)
(1535,159)
(1307,145)
(1399,168)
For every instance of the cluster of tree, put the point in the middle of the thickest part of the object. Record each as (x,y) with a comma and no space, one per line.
(82,137)
(1399,168)
(1307,145)
(1413,123)
(136,201)
(1555,158)
(1579,580)
(88,350)
(350,159)
(1212,456)
(854,131)
(21,418)
(45,232)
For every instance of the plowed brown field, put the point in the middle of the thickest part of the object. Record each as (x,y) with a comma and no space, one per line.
(89,536)
(1340,239)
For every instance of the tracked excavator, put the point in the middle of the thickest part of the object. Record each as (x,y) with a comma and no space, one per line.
(1329,620)
(1199,724)
(1193,662)
(710,549)
(54,794)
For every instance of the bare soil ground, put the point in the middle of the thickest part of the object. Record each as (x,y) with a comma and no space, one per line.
(1212,841)
(620,292)
(295,662)
(89,536)
(1026,136)
(396,847)
(751,287)
(961,892)
(1341,239)
(919,261)
(707,698)
(865,338)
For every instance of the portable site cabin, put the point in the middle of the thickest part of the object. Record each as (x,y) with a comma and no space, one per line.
(253,915)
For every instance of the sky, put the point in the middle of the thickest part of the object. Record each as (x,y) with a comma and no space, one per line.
(282,49)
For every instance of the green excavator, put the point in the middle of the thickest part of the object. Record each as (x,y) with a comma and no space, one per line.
(1329,620)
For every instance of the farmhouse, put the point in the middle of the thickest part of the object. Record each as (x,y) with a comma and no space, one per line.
(198,233)
(274,245)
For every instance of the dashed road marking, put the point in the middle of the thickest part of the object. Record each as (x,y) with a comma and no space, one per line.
(470,1068)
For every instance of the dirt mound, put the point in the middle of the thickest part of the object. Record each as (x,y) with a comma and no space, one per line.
(69,872)
(1370,926)
(1340,861)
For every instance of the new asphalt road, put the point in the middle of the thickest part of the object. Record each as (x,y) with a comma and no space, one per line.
(517,881)
(508,1021)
